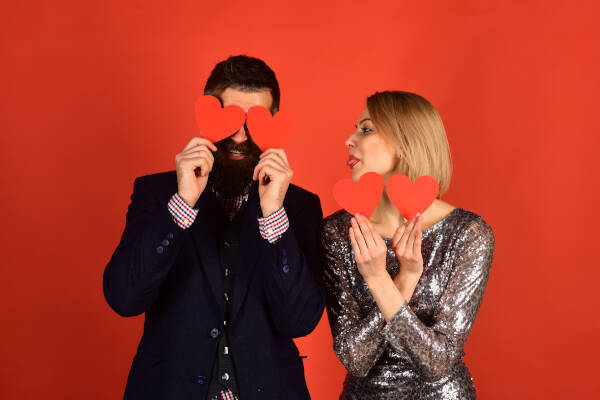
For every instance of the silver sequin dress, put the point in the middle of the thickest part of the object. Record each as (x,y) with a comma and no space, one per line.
(418,353)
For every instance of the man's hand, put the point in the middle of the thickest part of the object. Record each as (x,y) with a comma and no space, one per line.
(197,154)
(274,175)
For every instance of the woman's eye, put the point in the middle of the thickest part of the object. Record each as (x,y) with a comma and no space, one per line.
(365,130)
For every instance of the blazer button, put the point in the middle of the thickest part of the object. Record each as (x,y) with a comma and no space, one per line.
(160,249)
(226,244)
(165,242)
(284,260)
(170,235)
(286,269)
(201,379)
(225,376)
(214,332)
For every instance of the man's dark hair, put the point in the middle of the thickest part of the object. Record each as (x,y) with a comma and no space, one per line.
(243,73)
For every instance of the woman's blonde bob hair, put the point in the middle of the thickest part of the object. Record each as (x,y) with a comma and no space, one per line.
(413,126)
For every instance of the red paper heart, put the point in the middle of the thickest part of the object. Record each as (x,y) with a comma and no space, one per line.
(268,130)
(217,123)
(361,197)
(411,198)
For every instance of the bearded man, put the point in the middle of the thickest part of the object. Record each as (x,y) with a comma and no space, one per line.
(221,255)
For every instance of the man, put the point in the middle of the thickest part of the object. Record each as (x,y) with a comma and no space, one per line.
(221,256)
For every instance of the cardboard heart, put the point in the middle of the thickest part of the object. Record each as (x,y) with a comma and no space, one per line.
(268,130)
(362,197)
(411,198)
(215,122)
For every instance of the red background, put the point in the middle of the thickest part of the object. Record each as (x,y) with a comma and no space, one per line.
(97,93)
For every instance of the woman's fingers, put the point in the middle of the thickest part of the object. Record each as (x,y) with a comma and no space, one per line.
(359,236)
(376,236)
(418,241)
(410,245)
(403,242)
(365,228)
(418,236)
(354,244)
(372,231)
(398,235)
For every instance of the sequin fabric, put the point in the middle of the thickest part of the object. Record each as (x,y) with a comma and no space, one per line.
(418,353)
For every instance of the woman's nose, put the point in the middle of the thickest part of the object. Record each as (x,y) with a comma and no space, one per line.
(350,141)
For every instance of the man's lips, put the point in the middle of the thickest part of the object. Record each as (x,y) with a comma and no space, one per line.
(236,155)
(352,161)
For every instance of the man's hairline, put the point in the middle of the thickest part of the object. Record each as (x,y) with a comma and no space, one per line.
(242,88)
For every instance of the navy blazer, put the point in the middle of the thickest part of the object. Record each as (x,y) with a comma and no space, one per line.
(173,275)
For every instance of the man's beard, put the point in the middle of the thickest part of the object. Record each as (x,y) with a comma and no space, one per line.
(230,177)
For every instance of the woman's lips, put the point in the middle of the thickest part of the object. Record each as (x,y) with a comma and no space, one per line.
(352,161)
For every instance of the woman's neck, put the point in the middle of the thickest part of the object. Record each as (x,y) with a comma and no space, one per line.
(386,214)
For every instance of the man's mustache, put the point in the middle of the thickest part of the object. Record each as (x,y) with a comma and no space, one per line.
(243,147)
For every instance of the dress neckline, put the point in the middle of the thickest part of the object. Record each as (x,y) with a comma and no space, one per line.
(434,225)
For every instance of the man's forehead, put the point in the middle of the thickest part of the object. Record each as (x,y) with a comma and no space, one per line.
(247,98)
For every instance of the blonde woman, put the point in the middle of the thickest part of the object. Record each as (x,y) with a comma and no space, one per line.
(402,296)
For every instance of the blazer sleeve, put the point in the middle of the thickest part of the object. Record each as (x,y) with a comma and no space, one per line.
(145,254)
(357,339)
(292,284)
(435,349)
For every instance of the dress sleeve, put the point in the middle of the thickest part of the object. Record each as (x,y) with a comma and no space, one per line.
(357,339)
(435,349)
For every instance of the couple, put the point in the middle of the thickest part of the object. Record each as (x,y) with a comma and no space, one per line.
(229,261)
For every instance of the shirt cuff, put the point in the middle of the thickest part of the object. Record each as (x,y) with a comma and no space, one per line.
(273,226)
(182,213)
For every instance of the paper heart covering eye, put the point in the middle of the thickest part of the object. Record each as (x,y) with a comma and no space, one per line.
(362,197)
(269,131)
(411,198)
(216,122)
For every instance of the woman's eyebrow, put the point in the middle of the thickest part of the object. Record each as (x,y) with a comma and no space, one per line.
(363,120)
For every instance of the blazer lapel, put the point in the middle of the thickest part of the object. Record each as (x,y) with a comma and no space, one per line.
(204,235)
(250,245)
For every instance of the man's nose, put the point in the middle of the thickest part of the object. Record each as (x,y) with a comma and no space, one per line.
(241,135)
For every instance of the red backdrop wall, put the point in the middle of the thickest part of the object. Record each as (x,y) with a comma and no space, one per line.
(95,94)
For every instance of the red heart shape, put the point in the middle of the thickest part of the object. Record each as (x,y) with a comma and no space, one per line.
(217,123)
(411,198)
(362,197)
(269,130)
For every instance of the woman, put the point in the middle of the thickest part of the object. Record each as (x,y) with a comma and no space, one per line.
(403,295)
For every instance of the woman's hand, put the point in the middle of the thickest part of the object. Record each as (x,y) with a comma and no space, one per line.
(406,243)
(369,249)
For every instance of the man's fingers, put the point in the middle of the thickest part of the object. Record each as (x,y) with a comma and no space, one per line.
(197,161)
(197,140)
(196,151)
(270,167)
(266,170)
(274,163)
(280,153)
(275,158)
